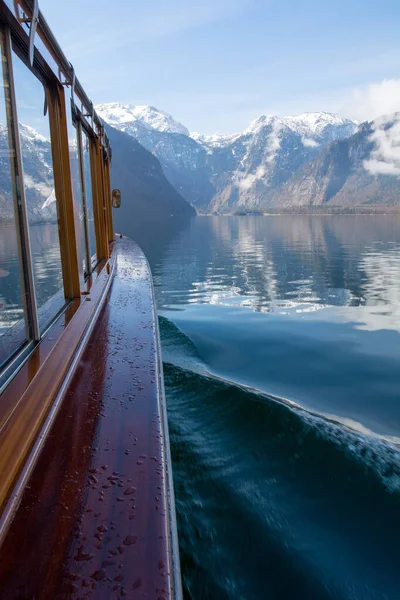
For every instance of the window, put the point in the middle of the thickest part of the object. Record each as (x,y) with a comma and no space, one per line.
(49,242)
(88,200)
(40,198)
(77,195)
(12,318)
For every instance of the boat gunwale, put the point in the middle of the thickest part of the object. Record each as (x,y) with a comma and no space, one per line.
(26,386)
(104,379)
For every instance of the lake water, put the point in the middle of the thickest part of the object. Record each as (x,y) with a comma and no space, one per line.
(281,344)
(48,283)
(281,347)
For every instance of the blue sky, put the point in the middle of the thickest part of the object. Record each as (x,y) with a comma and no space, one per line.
(215,65)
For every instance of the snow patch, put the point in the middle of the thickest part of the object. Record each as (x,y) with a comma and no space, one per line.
(116,114)
(217,140)
(31,134)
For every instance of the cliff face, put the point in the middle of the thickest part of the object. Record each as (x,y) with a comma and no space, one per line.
(146,191)
(223,173)
(38,177)
(340,176)
(147,195)
(275,163)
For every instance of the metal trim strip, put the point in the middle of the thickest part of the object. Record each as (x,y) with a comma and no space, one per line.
(175,557)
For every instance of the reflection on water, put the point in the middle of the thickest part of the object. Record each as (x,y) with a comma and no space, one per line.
(12,325)
(305,308)
(272,264)
(47,270)
(46,260)
(292,493)
(10,284)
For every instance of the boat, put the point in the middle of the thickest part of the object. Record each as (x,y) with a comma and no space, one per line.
(86,489)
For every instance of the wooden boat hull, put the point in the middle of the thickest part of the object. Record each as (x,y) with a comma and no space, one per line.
(97,518)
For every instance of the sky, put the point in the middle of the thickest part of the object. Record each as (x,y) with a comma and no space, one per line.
(216,65)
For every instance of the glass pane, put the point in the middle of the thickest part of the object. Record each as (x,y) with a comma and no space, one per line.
(76,186)
(40,197)
(12,323)
(89,196)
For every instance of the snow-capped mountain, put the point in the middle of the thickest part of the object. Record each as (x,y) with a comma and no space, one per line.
(223,171)
(147,192)
(182,158)
(38,176)
(321,127)
(250,167)
(363,169)
(217,140)
(124,116)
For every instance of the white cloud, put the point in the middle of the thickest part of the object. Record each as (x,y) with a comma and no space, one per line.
(308,143)
(379,102)
(273,143)
(246,182)
(375,100)
(385,156)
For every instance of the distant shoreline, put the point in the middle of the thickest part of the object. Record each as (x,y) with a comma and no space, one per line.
(306,211)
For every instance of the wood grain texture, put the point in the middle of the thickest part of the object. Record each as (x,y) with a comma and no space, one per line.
(94,522)
(42,376)
(20,383)
(107,180)
(102,246)
(62,182)
(63,190)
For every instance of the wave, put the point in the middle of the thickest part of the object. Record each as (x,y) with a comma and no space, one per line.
(378,453)
(272,497)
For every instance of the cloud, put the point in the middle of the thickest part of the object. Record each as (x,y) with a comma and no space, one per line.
(374,100)
(385,156)
(246,182)
(273,143)
(308,143)
(379,102)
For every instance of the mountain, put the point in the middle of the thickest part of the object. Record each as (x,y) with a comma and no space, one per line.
(127,117)
(222,173)
(38,176)
(147,196)
(314,128)
(248,169)
(363,169)
(183,159)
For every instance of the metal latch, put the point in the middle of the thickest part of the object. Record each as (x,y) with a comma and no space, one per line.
(33,23)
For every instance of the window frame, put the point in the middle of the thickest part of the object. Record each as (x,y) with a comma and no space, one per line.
(13,43)
(83,129)
(20,212)
(58,79)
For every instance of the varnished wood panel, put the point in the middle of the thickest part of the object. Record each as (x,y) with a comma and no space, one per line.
(63,189)
(20,383)
(94,521)
(20,427)
(107,181)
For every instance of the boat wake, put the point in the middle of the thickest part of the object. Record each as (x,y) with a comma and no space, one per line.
(274,500)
